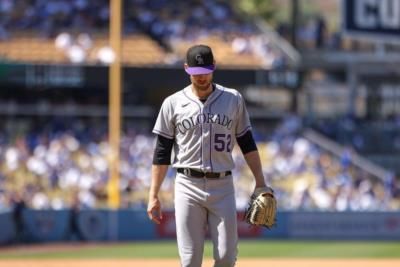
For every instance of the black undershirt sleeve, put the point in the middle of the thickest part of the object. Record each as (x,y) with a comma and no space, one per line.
(162,152)
(246,142)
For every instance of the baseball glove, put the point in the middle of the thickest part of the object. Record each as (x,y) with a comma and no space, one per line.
(261,210)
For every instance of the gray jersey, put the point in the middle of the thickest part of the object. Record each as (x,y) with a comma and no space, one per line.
(204,133)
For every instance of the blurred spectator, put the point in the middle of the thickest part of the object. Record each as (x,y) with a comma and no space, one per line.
(63,41)
(321,32)
(105,55)
(240,45)
(84,40)
(3,33)
(18,205)
(75,209)
(76,54)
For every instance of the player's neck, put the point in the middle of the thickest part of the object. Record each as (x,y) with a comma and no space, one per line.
(202,93)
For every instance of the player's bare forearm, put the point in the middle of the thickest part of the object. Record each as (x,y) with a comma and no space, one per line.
(254,162)
(158,173)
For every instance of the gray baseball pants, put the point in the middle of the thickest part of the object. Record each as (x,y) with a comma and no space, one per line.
(202,204)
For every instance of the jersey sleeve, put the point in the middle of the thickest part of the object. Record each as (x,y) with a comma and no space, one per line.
(164,124)
(243,120)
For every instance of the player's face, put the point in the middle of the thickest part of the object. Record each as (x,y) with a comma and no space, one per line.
(202,82)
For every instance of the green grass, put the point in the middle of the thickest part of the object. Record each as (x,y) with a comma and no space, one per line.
(319,249)
(247,249)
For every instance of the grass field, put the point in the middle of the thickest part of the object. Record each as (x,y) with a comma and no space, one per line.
(164,254)
(167,249)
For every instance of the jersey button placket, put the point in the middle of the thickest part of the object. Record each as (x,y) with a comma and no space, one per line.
(203,142)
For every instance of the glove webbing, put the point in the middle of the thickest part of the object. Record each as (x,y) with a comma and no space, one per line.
(261,210)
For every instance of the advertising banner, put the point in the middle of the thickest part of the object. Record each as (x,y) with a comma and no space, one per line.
(345,225)
(46,225)
(372,18)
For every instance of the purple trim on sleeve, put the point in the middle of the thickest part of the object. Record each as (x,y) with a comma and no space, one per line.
(243,132)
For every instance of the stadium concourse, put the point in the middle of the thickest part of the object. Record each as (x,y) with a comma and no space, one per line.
(55,166)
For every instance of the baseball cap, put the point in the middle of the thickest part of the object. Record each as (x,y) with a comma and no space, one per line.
(200,60)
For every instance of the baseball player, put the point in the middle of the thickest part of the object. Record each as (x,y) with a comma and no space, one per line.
(199,126)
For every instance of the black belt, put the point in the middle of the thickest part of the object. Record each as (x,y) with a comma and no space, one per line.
(200,174)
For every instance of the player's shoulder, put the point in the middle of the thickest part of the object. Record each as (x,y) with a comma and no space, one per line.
(228,91)
(175,97)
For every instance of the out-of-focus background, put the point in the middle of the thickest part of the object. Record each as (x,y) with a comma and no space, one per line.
(320,78)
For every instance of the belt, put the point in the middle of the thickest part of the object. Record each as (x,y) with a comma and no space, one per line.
(200,174)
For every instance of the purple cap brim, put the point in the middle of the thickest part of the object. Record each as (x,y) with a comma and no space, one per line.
(200,70)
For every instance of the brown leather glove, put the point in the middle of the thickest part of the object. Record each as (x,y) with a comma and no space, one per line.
(261,210)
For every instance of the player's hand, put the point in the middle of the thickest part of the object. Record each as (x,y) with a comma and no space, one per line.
(154,210)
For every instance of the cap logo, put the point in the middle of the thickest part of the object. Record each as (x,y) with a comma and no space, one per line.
(199,59)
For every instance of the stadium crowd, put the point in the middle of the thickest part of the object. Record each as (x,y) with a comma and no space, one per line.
(49,17)
(65,164)
(162,19)
(74,25)
(313,178)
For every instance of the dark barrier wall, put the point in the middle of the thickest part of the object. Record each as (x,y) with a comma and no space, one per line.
(141,86)
(126,225)
(7,228)
(91,225)
(96,77)
(45,225)
(135,225)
